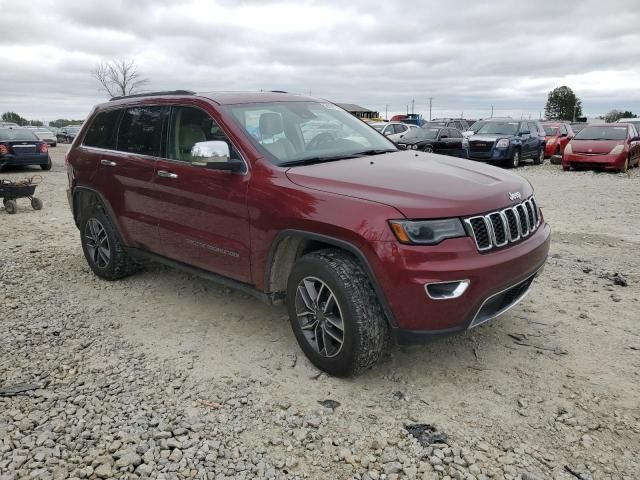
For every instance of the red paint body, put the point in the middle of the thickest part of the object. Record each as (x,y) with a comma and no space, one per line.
(350,200)
(555,144)
(597,153)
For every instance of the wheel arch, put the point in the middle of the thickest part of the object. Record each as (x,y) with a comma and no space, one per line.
(86,198)
(289,245)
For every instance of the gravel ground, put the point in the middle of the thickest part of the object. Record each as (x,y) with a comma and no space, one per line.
(163,375)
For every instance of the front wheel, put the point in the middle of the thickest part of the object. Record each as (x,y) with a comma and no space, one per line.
(514,161)
(36,203)
(625,166)
(335,313)
(428,149)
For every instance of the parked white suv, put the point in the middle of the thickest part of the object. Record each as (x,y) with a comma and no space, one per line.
(393,130)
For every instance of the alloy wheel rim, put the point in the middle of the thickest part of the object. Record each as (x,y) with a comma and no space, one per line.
(319,316)
(97,243)
(516,159)
(541,156)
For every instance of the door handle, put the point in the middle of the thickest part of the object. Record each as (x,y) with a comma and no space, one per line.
(165,174)
(107,163)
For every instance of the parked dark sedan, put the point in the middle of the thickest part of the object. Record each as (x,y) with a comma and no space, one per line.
(508,142)
(67,134)
(19,146)
(445,141)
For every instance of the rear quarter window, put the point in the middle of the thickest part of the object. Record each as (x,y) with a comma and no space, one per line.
(102,132)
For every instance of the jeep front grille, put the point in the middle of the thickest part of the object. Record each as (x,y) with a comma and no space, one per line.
(500,228)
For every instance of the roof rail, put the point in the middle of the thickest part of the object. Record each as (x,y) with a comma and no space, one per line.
(153,94)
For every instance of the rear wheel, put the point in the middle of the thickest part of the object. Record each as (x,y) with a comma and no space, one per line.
(335,313)
(46,166)
(10,206)
(102,247)
(428,149)
(539,159)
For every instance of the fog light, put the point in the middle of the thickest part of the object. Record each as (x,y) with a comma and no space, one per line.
(446,290)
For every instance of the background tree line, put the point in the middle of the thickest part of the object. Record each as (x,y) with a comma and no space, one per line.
(23,122)
(563,104)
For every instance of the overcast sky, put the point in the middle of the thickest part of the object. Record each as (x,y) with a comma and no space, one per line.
(467,55)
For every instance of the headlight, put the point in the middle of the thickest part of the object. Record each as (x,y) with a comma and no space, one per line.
(414,146)
(568,149)
(427,232)
(616,150)
(551,140)
(502,143)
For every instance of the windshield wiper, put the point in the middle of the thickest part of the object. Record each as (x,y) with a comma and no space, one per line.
(334,158)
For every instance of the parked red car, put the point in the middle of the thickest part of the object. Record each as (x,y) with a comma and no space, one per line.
(557,136)
(612,147)
(293,199)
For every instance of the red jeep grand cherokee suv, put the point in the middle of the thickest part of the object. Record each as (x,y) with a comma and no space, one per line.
(292,198)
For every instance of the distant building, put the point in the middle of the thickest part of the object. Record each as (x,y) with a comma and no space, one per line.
(359,111)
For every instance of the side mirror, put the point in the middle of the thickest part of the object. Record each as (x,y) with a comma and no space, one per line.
(401,136)
(635,139)
(214,155)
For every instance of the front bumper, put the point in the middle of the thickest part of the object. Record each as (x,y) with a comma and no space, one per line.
(403,271)
(606,161)
(494,155)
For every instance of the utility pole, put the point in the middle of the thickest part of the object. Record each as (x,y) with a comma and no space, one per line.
(407,109)
(491,111)
(386,111)
(575,107)
(413,103)
(430,104)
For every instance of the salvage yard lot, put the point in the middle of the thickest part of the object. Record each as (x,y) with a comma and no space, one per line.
(164,375)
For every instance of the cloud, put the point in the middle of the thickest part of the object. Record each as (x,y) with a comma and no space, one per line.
(467,57)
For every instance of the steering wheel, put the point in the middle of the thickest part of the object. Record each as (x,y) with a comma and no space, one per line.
(320,140)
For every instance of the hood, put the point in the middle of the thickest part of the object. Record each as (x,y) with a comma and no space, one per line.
(418,184)
(594,146)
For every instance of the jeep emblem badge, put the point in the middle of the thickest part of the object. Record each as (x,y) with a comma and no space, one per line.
(514,196)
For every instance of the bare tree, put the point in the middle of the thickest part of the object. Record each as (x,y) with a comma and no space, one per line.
(119,77)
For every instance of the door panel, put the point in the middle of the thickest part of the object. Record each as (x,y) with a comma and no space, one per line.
(204,213)
(125,174)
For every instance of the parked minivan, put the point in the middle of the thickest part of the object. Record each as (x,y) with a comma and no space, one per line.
(293,199)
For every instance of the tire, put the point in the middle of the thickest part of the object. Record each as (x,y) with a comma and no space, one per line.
(365,333)
(10,206)
(428,149)
(566,168)
(539,159)
(36,203)
(514,161)
(47,166)
(625,166)
(98,232)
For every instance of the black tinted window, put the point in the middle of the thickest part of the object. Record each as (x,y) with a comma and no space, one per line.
(455,133)
(17,135)
(102,132)
(141,130)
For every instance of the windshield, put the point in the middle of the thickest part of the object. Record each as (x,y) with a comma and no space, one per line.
(477,126)
(550,131)
(17,135)
(602,133)
(421,134)
(288,132)
(499,128)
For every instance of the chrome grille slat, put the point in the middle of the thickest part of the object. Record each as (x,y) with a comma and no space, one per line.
(502,227)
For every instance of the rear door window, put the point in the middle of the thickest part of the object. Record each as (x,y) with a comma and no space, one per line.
(102,132)
(141,129)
